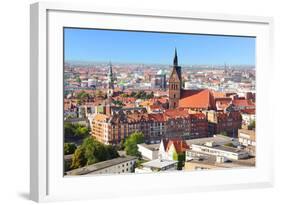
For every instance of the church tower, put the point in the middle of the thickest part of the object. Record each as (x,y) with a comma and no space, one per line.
(110,82)
(175,84)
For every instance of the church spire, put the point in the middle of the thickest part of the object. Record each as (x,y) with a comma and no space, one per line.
(110,81)
(176,58)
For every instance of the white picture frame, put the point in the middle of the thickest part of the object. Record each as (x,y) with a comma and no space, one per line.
(46,177)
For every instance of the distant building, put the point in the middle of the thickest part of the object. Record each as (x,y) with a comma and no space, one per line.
(248,116)
(159,80)
(181,123)
(124,164)
(247,137)
(223,121)
(243,104)
(80,121)
(121,122)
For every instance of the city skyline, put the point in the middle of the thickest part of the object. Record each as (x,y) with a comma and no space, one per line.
(92,45)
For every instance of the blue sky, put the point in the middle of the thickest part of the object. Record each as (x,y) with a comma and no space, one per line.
(157,48)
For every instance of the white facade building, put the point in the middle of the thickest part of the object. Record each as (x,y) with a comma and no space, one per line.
(148,151)
(218,150)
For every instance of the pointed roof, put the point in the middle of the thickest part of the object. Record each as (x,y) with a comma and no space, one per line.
(110,69)
(176,58)
(180,145)
(174,77)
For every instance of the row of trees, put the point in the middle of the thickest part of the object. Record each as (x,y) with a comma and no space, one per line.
(83,96)
(139,95)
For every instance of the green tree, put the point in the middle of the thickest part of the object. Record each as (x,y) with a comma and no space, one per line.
(151,95)
(79,159)
(118,103)
(78,79)
(124,95)
(81,131)
(68,130)
(91,151)
(133,94)
(131,142)
(82,97)
(181,161)
(69,148)
(180,157)
(67,165)
(252,125)
(76,130)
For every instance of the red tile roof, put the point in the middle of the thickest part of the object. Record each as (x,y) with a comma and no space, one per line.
(249,111)
(201,99)
(180,145)
(243,103)
(154,107)
(197,116)
(174,113)
(158,117)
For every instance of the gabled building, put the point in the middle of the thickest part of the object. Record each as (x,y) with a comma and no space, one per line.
(170,149)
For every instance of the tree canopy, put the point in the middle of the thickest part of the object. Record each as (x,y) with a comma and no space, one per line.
(83,97)
(252,125)
(76,130)
(91,151)
(131,142)
(180,157)
(69,148)
(142,95)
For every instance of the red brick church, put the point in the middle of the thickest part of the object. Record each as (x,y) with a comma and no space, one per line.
(202,99)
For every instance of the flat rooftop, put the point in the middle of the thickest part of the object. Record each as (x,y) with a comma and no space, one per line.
(218,139)
(152,147)
(101,165)
(223,148)
(211,160)
(159,163)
